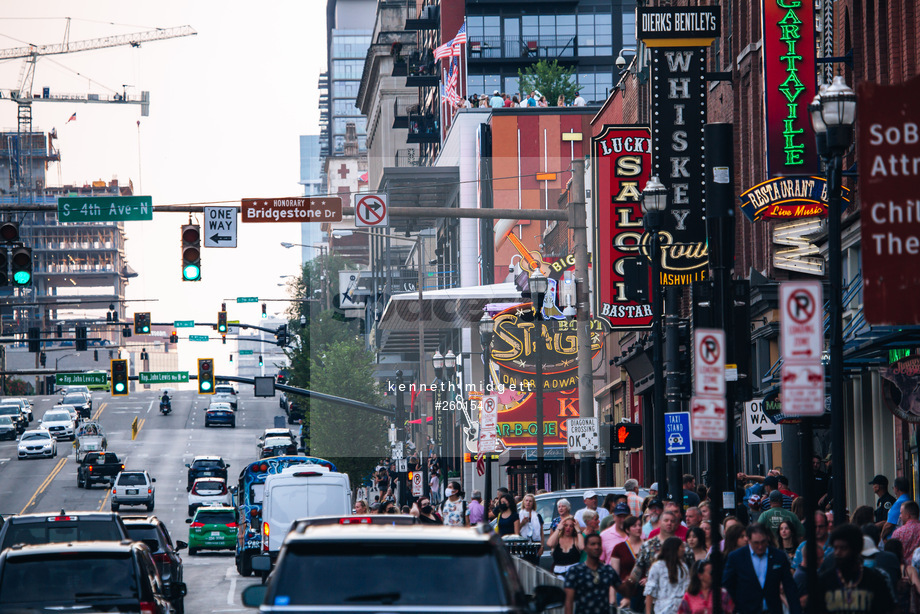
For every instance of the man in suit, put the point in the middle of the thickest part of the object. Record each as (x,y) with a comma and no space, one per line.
(756,576)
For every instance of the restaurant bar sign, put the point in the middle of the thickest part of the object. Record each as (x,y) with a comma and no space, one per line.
(679,27)
(788,198)
(789,86)
(622,166)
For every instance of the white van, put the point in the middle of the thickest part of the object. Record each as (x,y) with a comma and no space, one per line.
(300,491)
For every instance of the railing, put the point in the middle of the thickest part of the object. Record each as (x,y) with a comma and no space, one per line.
(406,157)
(525,47)
(423,129)
(422,64)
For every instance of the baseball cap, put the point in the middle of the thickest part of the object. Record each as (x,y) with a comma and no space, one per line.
(589,494)
(655,503)
(771,481)
(754,500)
(621,509)
(495,93)
(776,496)
(880,480)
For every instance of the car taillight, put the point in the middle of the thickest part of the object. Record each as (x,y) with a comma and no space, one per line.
(148,607)
(231,525)
(266,530)
(149,489)
(122,467)
(363,520)
(89,468)
(161,558)
(114,490)
(197,525)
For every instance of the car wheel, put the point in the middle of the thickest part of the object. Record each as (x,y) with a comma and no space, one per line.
(233,424)
(246,565)
(115,506)
(150,506)
(180,606)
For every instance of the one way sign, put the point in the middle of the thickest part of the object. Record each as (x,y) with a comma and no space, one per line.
(759,428)
(220,226)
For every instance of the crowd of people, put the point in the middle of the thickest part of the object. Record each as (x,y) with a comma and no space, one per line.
(535,99)
(647,554)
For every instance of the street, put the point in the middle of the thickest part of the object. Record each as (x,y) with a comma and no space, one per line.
(163,445)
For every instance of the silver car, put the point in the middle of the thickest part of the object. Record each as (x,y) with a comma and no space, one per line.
(133,488)
(37,443)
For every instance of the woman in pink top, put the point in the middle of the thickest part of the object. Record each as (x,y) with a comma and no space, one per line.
(698,598)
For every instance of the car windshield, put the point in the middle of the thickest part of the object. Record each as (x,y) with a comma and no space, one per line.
(6,420)
(339,573)
(80,578)
(35,435)
(72,399)
(9,410)
(132,479)
(144,533)
(209,486)
(215,517)
(57,416)
(29,533)
(208,464)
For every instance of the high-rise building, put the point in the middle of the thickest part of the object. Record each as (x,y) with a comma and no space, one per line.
(311,171)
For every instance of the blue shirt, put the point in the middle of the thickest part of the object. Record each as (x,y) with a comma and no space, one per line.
(894,514)
(800,554)
(496,102)
(760,569)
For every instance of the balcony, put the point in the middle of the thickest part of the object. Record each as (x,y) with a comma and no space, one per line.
(523,48)
(428,19)
(423,129)
(422,70)
(407,157)
(400,116)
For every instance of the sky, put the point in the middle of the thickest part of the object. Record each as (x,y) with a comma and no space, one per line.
(227,109)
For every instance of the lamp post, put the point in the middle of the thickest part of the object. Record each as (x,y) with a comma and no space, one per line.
(834,126)
(445,435)
(654,202)
(538,286)
(437,361)
(486,330)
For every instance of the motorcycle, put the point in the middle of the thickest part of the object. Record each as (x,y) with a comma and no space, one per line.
(165,407)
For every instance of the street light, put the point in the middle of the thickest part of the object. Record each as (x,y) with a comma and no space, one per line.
(538,285)
(654,202)
(834,126)
(486,330)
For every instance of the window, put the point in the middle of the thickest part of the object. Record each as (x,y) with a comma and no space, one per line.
(629,28)
(347,69)
(345,89)
(594,36)
(595,86)
(483,84)
(511,86)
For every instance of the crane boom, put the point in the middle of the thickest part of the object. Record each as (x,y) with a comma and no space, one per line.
(134,39)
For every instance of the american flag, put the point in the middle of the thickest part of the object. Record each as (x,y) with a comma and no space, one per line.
(452,78)
(444,51)
(451,47)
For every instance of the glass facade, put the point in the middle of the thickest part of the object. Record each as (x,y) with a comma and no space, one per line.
(348,50)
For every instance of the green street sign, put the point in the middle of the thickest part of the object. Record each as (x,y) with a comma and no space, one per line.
(184,324)
(104,208)
(198,337)
(81,379)
(247,299)
(245,352)
(162,377)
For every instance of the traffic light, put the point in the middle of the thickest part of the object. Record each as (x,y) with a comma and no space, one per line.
(264,311)
(205,376)
(35,339)
(119,377)
(80,343)
(4,267)
(21,260)
(191,252)
(260,360)
(222,322)
(42,359)
(282,336)
(626,435)
(174,337)
(142,323)
(9,232)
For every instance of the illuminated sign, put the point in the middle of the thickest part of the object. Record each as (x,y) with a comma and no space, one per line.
(801,252)
(788,198)
(678,27)
(620,168)
(789,85)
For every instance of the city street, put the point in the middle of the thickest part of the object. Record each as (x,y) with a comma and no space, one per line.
(163,445)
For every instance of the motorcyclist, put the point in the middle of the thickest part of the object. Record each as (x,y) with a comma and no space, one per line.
(164,401)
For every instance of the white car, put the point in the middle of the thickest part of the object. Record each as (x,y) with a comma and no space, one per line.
(37,443)
(59,422)
(209,491)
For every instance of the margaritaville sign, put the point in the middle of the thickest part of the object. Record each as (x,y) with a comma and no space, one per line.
(789,86)
(787,198)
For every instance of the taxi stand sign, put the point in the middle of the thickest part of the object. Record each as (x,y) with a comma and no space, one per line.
(677,434)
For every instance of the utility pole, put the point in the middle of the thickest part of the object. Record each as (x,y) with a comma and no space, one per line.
(578,222)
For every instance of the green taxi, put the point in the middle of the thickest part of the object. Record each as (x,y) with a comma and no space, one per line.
(212,528)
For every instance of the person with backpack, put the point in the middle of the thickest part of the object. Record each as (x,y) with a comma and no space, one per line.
(453,510)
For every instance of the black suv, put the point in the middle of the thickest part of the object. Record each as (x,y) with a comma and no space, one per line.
(206,467)
(29,529)
(89,576)
(376,566)
(81,401)
(152,531)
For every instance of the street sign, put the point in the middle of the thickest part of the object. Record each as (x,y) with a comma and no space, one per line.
(757,426)
(104,208)
(417,486)
(582,435)
(677,434)
(162,377)
(709,362)
(488,423)
(371,210)
(300,209)
(245,352)
(802,340)
(184,324)
(707,418)
(198,337)
(402,465)
(80,379)
(247,299)
(220,226)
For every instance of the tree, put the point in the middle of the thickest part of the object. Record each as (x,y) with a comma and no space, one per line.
(550,79)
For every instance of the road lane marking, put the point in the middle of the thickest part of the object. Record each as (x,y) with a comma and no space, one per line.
(231,574)
(99,411)
(140,425)
(41,487)
(108,491)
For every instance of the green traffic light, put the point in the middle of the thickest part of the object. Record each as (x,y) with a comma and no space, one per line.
(119,387)
(205,386)
(191,272)
(22,278)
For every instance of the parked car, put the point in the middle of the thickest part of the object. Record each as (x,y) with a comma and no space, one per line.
(133,488)
(209,491)
(86,577)
(153,532)
(45,528)
(212,528)
(37,443)
(205,467)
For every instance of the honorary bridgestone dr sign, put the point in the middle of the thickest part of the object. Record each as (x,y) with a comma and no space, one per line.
(292,209)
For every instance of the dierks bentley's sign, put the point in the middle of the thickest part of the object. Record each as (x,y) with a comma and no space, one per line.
(788,198)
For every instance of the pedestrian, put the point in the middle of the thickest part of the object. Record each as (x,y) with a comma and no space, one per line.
(361,507)
(757,576)
(623,559)
(652,517)
(653,491)
(863,515)
(532,100)
(821,532)
(592,524)
(691,499)
(885,562)
(705,510)
(615,533)
(542,102)
(531,526)
(496,101)
(476,510)
(789,539)
(565,544)
(515,101)
(590,498)
(565,511)
(507,100)
(668,578)
(693,517)
(708,527)
(633,500)
(579,101)
(560,102)
(698,598)
(902,492)
(735,538)
(696,543)
(852,586)
(453,510)
(821,480)
(508,521)
(909,531)
(681,530)
(588,584)
(426,513)
(776,515)
(434,488)
(648,554)
(885,500)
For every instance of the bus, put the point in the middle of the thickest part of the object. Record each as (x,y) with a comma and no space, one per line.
(249,503)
